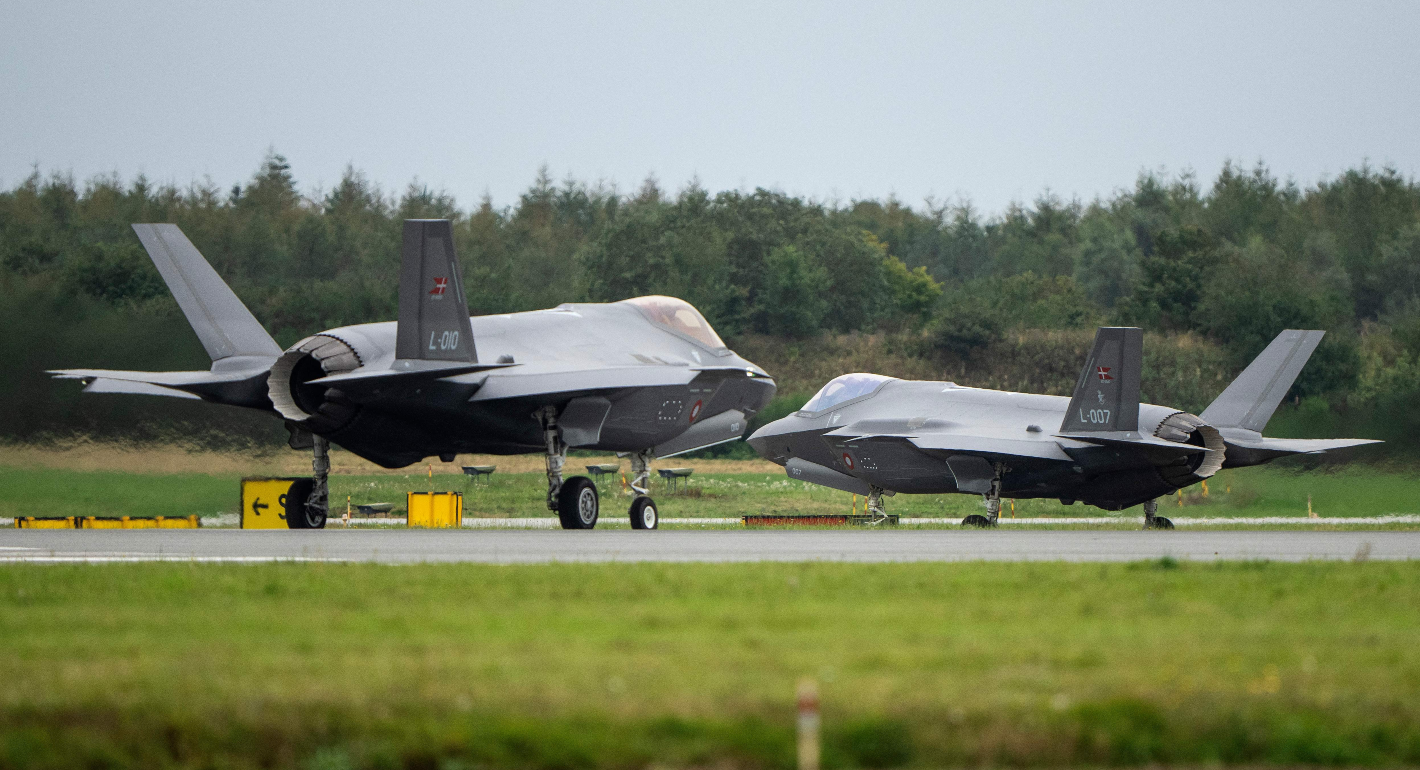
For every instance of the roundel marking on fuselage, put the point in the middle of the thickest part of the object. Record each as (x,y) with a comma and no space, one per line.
(848,460)
(695,410)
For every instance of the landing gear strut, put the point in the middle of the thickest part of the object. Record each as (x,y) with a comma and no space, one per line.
(312,514)
(875,505)
(643,511)
(1151,519)
(993,502)
(575,499)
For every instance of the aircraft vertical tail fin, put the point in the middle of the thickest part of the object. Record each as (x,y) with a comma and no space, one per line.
(223,324)
(433,312)
(1249,401)
(1107,394)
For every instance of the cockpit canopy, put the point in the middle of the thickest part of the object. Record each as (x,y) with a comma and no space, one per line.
(678,316)
(845,388)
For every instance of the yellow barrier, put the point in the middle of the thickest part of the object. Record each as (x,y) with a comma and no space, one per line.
(265,501)
(42,522)
(435,509)
(125,522)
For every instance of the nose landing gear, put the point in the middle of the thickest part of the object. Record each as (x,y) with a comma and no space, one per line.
(644,513)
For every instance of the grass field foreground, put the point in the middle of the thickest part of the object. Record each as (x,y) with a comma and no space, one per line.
(572,666)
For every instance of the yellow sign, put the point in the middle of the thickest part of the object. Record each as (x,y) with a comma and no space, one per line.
(264,503)
(435,509)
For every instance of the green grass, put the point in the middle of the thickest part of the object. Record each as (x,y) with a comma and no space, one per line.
(52,492)
(590,666)
(1253,492)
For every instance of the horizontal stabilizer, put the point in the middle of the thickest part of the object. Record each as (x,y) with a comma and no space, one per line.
(1310,445)
(803,470)
(134,388)
(1249,401)
(223,324)
(1247,447)
(246,387)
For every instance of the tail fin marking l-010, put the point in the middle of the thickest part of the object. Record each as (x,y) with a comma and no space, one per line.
(433,313)
(223,324)
(1107,394)
(1249,401)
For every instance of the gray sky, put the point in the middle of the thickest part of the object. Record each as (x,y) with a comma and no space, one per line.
(991,101)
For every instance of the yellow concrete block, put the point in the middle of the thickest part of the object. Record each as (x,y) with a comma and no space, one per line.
(54,522)
(434,509)
(95,522)
(264,503)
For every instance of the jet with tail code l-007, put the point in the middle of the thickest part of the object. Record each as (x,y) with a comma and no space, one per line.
(874,435)
(647,376)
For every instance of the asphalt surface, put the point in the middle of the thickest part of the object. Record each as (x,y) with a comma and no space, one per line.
(523,546)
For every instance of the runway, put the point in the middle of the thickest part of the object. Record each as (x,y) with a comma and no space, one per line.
(402,546)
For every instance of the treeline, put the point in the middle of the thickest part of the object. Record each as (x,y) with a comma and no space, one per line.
(1229,263)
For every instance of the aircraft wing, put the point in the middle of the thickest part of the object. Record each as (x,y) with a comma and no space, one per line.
(969,444)
(535,380)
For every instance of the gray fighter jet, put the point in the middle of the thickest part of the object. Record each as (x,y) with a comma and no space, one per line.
(647,376)
(874,435)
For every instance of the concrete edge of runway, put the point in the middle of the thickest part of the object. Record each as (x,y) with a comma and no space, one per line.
(229,521)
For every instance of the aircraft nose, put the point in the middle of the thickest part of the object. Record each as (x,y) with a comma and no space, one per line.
(763,440)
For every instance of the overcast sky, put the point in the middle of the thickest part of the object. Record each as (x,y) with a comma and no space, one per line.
(990,101)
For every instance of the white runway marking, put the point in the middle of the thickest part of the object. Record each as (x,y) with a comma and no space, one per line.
(400,545)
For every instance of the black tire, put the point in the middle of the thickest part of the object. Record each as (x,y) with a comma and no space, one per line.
(977,520)
(298,514)
(1159,522)
(578,503)
(644,514)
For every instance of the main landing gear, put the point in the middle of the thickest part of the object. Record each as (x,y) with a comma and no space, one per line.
(312,513)
(993,502)
(1151,519)
(575,499)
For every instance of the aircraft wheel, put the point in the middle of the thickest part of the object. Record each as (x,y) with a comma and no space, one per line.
(298,514)
(1158,522)
(977,520)
(577,503)
(644,514)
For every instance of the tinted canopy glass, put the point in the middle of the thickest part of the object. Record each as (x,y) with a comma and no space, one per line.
(844,388)
(678,315)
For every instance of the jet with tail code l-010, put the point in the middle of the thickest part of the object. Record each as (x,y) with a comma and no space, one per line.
(647,377)
(874,435)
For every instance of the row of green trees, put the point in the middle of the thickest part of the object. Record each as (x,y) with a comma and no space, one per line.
(1232,262)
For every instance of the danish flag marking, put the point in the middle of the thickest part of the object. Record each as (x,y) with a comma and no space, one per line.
(439,285)
(1103,372)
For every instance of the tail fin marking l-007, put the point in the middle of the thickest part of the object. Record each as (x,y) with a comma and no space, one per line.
(433,313)
(1107,394)
(223,324)
(1249,401)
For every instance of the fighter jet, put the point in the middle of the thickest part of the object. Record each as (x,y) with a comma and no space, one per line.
(647,377)
(874,435)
